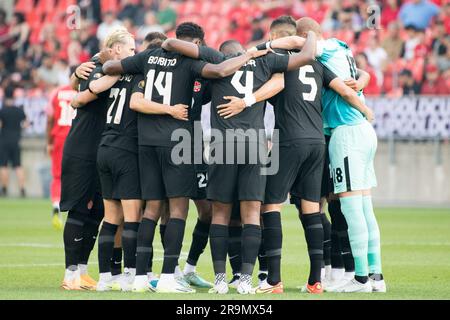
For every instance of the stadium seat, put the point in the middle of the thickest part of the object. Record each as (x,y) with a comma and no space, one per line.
(109,5)
(24,6)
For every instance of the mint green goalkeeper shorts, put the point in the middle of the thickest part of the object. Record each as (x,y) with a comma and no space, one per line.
(352,151)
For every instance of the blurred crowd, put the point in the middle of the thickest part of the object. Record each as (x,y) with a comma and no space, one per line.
(404,45)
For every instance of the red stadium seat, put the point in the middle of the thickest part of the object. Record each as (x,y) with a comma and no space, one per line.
(45,6)
(24,6)
(109,5)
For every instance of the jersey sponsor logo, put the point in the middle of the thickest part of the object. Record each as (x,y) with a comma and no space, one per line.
(197,86)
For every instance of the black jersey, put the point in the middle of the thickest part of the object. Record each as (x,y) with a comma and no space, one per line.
(246,80)
(121,122)
(201,96)
(11,119)
(87,126)
(298,108)
(169,80)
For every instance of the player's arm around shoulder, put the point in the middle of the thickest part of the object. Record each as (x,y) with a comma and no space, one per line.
(185,48)
(307,54)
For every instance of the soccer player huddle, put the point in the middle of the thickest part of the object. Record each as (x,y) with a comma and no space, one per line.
(136,155)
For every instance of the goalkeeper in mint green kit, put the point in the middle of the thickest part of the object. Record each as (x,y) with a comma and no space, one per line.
(352,151)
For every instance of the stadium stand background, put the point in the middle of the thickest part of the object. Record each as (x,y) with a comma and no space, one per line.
(406,51)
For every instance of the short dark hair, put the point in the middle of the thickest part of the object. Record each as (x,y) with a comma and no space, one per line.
(190,30)
(228,43)
(154,36)
(282,20)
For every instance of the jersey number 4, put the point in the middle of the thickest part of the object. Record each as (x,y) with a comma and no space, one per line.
(246,90)
(163,90)
(120,95)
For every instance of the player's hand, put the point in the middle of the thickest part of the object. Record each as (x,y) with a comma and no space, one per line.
(257,54)
(179,111)
(368,113)
(105,55)
(232,108)
(84,70)
(49,149)
(352,83)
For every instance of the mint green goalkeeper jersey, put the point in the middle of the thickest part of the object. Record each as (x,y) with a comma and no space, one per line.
(338,58)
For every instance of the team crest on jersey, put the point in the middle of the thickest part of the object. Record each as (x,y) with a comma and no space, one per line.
(141,84)
(98,75)
(197,86)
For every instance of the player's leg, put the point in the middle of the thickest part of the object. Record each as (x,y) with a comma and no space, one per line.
(348,161)
(17,165)
(262,259)
(219,233)
(55,187)
(132,218)
(326,264)
(234,244)
(144,250)
(116,261)
(113,219)
(72,236)
(199,241)
(4,174)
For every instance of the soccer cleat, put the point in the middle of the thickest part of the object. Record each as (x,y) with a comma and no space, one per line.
(219,288)
(72,280)
(377,283)
(262,276)
(234,282)
(194,279)
(127,279)
(245,288)
(172,286)
(182,281)
(87,283)
(106,283)
(316,288)
(265,287)
(353,286)
(152,280)
(57,222)
(141,284)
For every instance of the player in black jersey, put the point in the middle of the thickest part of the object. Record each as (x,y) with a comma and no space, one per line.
(163,111)
(80,186)
(301,150)
(241,177)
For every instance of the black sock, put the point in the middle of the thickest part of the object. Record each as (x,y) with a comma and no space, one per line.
(173,241)
(145,235)
(312,224)
(337,261)
(199,241)
(73,238)
(326,239)
(116,262)
(218,243)
(251,240)
(162,233)
(273,241)
(262,258)
(129,243)
(362,279)
(234,248)
(106,246)
(342,227)
(90,233)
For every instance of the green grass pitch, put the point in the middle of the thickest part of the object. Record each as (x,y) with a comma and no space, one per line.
(415,251)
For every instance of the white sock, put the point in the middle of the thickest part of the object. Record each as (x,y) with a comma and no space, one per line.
(150,275)
(337,274)
(328,271)
(70,274)
(166,277)
(322,273)
(178,272)
(105,277)
(188,268)
(56,205)
(131,271)
(349,275)
(83,269)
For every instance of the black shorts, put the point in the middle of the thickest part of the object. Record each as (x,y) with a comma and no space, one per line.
(119,173)
(10,154)
(80,186)
(300,173)
(327,181)
(161,178)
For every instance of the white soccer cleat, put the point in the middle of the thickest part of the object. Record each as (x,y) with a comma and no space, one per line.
(126,281)
(245,288)
(378,285)
(219,288)
(172,286)
(141,284)
(354,286)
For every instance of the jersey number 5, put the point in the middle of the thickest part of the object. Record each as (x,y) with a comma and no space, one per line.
(115,93)
(163,90)
(311,96)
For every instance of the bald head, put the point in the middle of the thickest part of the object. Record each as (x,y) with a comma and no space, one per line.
(231,47)
(307,24)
